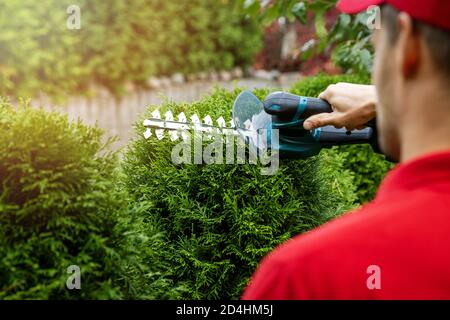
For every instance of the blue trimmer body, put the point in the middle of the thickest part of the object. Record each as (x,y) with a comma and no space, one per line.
(276,124)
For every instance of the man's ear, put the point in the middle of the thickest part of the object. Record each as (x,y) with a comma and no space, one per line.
(408,46)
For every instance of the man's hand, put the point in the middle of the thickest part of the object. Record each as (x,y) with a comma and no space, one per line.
(353,106)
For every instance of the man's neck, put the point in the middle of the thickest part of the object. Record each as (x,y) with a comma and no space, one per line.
(427,126)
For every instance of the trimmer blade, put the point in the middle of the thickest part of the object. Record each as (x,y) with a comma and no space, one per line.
(177,129)
(248,118)
(252,121)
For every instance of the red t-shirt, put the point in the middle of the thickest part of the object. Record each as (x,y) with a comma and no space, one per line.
(396,247)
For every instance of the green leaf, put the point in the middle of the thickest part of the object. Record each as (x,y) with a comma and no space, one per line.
(299,11)
(319,22)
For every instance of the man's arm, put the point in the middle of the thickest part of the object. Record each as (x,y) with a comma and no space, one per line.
(353,106)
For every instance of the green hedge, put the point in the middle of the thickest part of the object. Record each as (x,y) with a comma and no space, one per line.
(60,206)
(119,42)
(57,207)
(368,168)
(218,221)
(155,229)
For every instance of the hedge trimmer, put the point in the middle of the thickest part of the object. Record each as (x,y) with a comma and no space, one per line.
(256,121)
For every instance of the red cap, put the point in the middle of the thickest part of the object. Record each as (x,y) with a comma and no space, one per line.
(433,12)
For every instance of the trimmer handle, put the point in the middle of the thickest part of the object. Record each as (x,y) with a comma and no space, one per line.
(289,111)
(290,106)
(334,136)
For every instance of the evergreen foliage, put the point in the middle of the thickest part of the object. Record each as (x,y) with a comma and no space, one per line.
(60,206)
(119,42)
(155,229)
(218,221)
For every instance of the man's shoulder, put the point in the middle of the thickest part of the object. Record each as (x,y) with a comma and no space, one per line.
(333,261)
(304,267)
(345,228)
(374,226)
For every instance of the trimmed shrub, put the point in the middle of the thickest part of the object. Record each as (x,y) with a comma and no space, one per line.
(218,221)
(119,42)
(368,167)
(59,206)
(160,230)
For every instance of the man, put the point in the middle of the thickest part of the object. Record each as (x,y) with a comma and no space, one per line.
(397,246)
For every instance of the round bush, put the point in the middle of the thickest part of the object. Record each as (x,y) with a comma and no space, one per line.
(58,207)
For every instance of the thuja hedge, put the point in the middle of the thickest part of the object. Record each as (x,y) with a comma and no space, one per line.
(218,221)
(154,229)
(119,42)
(60,206)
